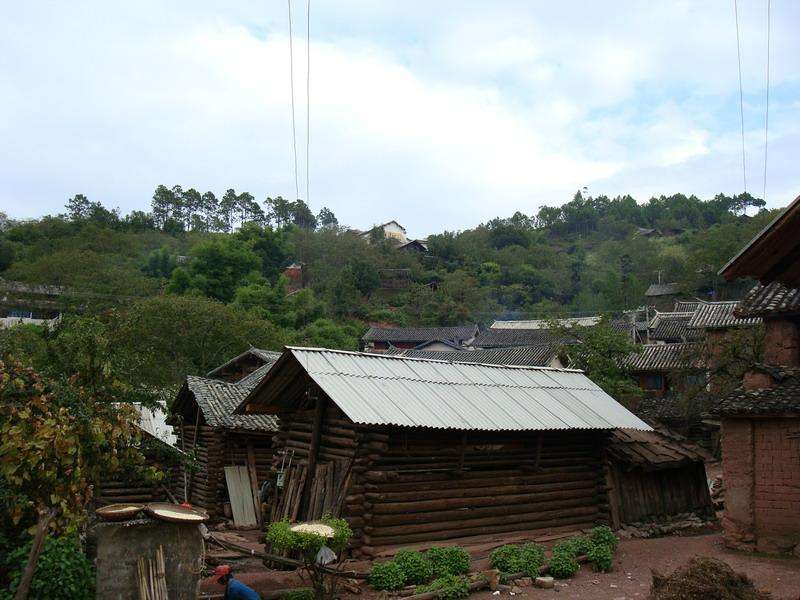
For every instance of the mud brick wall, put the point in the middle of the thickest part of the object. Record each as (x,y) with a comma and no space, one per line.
(781,343)
(761,461)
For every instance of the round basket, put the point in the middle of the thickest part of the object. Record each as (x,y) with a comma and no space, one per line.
(119,512)
(176,513)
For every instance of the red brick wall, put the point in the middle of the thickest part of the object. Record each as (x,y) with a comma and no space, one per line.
(781,343)
(761,463)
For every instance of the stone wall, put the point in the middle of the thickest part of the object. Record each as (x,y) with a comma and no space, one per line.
(761,462)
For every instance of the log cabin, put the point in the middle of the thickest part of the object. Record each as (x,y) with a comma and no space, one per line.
(207,430)
(419,451)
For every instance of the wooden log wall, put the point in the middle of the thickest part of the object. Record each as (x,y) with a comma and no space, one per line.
(215,449)
(648,495)
(435,485)
(400,486)
(206,483)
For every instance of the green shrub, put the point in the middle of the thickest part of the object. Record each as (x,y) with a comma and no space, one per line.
(62,573)
(414,565)
(299,594)
(506,559)
(447,587)
(387,576)
(452,560)
(562,561)
(601,557)
(281,536)
(531,559)
(580,545)
(603,536)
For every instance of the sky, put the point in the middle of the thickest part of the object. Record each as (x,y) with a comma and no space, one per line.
(440,115)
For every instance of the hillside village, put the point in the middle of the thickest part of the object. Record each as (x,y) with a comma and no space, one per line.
(673,415)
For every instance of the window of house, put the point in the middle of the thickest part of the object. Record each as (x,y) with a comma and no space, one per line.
(653,381)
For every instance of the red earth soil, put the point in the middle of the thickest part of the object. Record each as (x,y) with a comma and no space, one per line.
(630,579)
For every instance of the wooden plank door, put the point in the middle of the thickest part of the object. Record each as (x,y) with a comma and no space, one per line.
(240,493)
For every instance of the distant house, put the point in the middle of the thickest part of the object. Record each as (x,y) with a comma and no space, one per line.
(663,368)
(391,231)
(381,339)
(29,304)
(512,337)
(295,274)
(761,420)
(672,327)
(243,365)
(547,323)
(526,356)
(662,295)
(647,232)
(414,246)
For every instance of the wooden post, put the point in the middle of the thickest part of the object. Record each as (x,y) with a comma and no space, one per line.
(33,557)
(251,469)
(313,451)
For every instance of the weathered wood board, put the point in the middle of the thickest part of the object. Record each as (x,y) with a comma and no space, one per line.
(240,492)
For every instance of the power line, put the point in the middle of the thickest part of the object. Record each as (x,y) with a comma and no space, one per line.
(741,93)
(291,86)
(308,94)
(766,116)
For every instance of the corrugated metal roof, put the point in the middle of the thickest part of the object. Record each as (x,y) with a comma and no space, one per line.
(420,334)
(719,315)
(663,357)
(394,390)
(546,323)
(772,299)
(527,356)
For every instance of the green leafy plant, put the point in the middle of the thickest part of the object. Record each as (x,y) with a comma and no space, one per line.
(579,545)
(62,573)
(601,557)
(387,576)
(282,537)
(299,594)
(452,560)
(562,561)
(416,568)
(531,559)
(603,536)
(505,559)
(447,587)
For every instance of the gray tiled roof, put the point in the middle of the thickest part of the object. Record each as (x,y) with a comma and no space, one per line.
(506,338)
(772,299)
(686,305)
(719,315)
(673,327)
(217,400)
(663,357)
(420,334)
(663,289)
(528,356)
(783,398)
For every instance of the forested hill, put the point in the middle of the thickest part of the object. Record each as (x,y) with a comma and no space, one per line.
(587,256)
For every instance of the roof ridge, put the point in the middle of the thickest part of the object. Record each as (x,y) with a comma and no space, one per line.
(434,360)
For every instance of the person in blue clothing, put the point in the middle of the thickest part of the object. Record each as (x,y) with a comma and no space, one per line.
(234,589)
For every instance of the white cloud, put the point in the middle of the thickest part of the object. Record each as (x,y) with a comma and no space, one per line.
(441,119)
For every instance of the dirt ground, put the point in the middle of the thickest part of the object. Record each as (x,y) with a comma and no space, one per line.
(630,579)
